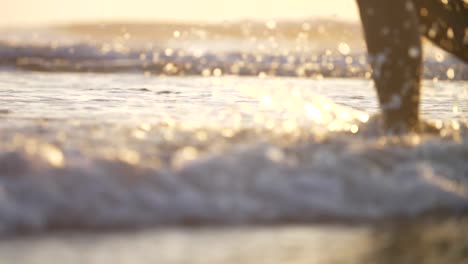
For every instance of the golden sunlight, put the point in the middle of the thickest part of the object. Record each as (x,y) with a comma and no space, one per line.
(27,12)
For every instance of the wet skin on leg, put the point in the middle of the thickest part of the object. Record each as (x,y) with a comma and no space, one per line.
(445,24)
(392,30)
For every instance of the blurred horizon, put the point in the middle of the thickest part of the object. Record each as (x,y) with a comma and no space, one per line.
(21,13)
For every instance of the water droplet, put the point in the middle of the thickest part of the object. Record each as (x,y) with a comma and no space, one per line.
(354,129)
(289,126)
(450,33)
(344,48)
(271,24)
(414,52)
(138,134)
(217,72)
(423,12)
(432,33)
(53,155)
(409,6)
(274,154)
(439,57)
(206,72)
(184,155)
(168,52)
(450,73)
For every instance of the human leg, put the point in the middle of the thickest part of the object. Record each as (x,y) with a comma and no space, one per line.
(445,23)
(391,31)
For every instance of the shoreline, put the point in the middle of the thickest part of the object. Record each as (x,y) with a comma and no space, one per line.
(425,240)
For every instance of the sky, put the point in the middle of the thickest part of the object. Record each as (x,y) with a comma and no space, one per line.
(39,12)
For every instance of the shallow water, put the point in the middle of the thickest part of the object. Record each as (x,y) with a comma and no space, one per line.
(406,242)
(124,150)
(158,164)
(295,48)
(296,244)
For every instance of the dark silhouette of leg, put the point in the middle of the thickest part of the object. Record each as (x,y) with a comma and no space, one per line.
(391,30)
(445,24)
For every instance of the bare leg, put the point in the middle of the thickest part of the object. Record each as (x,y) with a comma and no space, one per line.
(446,25)
(391,29)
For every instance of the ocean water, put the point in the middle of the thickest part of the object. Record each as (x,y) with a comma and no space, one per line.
(99,138)
(119,150)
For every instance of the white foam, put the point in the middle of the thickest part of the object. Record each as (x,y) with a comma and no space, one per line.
(222,150)
(343,177)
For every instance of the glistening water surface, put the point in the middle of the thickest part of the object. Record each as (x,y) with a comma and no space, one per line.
(113,150)
(238,166)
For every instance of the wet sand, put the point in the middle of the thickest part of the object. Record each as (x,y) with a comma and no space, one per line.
(426,240)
